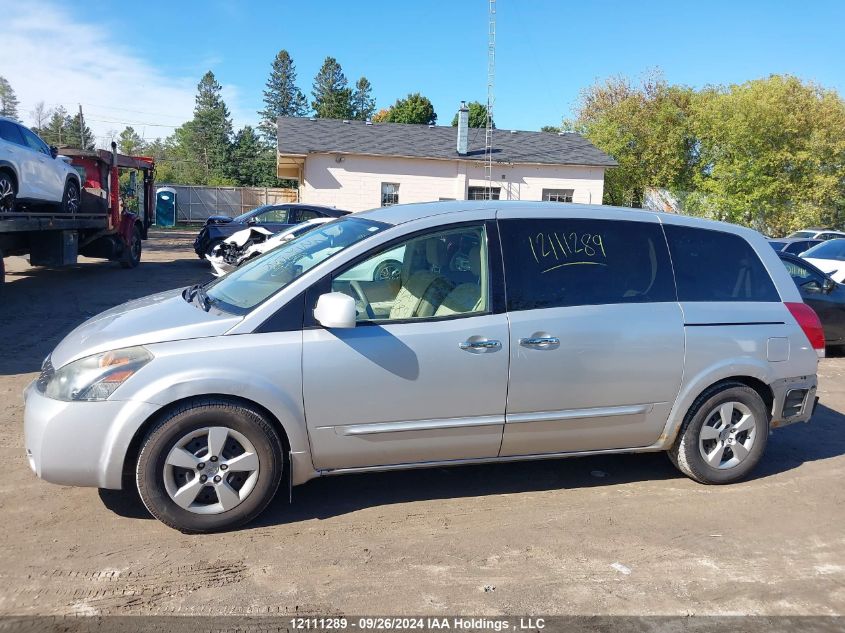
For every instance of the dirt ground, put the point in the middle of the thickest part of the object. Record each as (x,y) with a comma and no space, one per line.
(603,535)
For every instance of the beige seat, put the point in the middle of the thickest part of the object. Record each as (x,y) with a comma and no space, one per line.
(467,297)
(423,287)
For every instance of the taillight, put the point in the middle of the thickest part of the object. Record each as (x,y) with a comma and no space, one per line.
(810,324)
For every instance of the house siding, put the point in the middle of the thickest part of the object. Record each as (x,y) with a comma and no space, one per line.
(354,183)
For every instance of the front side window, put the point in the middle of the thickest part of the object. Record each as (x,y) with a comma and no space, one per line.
(439,274)
(389,193)
(483,193)
(570,262)
(303,215)
(558,195)
(832,249)
(272,216)
(717,266)
(34,142)
(800,274)
(257,280)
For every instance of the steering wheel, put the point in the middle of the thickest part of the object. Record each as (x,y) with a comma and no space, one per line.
(360,292)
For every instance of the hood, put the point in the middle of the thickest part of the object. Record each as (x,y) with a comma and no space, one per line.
(158,318)
(218,219)
(240,238)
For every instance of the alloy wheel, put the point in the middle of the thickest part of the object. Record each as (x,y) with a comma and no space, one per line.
(7,195)
(211,470)
(727,435)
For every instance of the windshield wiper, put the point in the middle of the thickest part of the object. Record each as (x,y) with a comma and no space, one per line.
(197,291)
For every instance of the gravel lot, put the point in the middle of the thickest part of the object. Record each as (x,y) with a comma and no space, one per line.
(604,535)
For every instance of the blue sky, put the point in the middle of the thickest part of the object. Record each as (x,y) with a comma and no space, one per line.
(546,51)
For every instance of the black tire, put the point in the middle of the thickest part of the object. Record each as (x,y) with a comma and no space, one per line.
(686,454)
(71,198)
(8,193)
(389,269)
(195,415)
(131,256)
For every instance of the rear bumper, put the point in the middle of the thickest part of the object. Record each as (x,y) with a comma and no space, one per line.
(794,400)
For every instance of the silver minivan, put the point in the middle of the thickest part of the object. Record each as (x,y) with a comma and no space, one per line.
(514,330)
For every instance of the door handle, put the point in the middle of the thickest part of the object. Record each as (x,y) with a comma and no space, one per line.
(540,341)
(480,344)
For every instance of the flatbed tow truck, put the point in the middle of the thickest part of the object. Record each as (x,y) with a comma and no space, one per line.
(100,229)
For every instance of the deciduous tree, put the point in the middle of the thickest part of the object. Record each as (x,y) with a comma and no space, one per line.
(415,108)
(477,115)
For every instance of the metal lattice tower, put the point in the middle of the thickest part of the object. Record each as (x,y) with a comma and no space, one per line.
(491,78)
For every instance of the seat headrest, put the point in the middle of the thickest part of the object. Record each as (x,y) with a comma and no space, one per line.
(435,253)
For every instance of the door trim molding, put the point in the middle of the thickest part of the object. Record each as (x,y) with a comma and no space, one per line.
(574,414)
(419,425)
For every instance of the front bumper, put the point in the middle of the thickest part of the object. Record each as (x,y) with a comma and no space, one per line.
(80,443)
(794,400)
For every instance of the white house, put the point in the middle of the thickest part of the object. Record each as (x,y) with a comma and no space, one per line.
(358,165)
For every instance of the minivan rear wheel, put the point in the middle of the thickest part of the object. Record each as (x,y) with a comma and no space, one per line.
(723,436)
(210,465)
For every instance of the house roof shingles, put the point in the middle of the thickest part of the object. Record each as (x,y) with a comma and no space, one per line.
(302,136)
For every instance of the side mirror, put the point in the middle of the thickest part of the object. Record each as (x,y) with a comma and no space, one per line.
(54,151)
(335,310)
(828,285)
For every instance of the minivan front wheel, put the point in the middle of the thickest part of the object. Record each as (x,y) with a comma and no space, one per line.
(723,436)
(210,465)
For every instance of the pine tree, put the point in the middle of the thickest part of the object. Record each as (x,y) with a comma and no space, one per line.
(253,163)
(206,139)
(363,104)
(282,96)
(74,130)
(130,142)
(332,96)
(8,100)
(55,131)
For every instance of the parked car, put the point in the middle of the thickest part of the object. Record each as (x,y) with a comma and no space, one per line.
(816,234)
(252,242)
(793,246)
(32,172)
(273,217)
(821,293)
(829,257)
(567,330)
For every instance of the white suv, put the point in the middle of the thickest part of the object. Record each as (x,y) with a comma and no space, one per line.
(31,171)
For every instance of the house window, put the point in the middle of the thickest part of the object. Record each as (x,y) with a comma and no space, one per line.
(558,195)
(389,193)
(483,193)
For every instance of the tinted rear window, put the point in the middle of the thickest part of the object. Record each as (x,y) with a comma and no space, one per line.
(11,132)
(717,266)
(570,262)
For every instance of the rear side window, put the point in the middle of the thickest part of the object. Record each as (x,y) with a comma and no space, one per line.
(717,266)
(570,262)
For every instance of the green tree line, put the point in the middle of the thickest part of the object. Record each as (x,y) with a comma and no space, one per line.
(768,153)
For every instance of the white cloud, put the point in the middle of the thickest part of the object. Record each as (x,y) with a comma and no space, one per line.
(50,55)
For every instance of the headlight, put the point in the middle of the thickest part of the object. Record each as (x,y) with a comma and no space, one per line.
(96,377)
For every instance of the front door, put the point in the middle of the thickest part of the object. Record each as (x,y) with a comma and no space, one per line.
(423,375)
(597,337)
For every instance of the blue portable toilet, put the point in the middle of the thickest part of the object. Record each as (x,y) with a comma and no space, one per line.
(165,206)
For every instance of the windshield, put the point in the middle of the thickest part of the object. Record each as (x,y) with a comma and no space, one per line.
(832,249)
(254,282)
(802,234)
